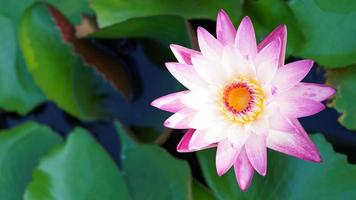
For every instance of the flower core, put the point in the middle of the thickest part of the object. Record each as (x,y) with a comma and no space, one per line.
(242,100)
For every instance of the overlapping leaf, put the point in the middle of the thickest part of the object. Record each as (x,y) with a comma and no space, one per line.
(329,29)
(288,178)
(344,80)
(17,91)
(21,148)
(57,70)
(78,169)
(162,21)
(163,29)
(110,12)
(151,173)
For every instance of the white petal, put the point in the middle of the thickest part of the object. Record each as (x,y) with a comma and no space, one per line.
(186,75)
(237,135)
(209,46)
(235,65)
(210,70)
(205,118)
(180,119)
(183,54)
(171,102)
(199,100)
(267,61)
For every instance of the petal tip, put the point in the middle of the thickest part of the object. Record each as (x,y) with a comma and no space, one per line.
(173,47)
(222,12)
(310,62)
(247,19)
(244,185)
(167,124)
(154,103)
(332,90)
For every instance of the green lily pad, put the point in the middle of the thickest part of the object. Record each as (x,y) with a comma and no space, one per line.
(201,192)
(71,9)
(163,29)
(110,12)
(21,148)
(329,29)
(151,173)
(78,169)
(18,92)
(344,80)
(57,70)
(288,177)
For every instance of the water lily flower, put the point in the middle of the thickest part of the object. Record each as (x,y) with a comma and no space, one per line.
(242,98)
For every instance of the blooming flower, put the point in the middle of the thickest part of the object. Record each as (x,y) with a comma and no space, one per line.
(242,98)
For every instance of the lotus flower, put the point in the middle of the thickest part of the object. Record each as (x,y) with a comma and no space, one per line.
(242,98)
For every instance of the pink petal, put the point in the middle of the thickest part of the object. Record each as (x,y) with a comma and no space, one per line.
(183,146)
(183,54)
(317,92)
(296,107)
(225,30)
(295,144)
(186,75)
(199,141)
(202,138)
(243,170)
(291,74)
(226,155)
(281,123)
(267,61)
(171,102)
(256,152)
(281,33)
(245,40)
(180,119)
(184,142)
(209,46)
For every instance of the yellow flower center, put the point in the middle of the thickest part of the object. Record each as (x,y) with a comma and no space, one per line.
(242,100)
(238,98)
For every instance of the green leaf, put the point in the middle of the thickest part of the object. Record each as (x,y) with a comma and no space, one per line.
(288,177)
(223,187)
(110,12)
(162,21)
(163,29)
(21,148)
(267,17)
(201,192)
(57,70)
(329,30)
(344,80)
(151,173)
(17,91)
(71,9)
(78,169)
